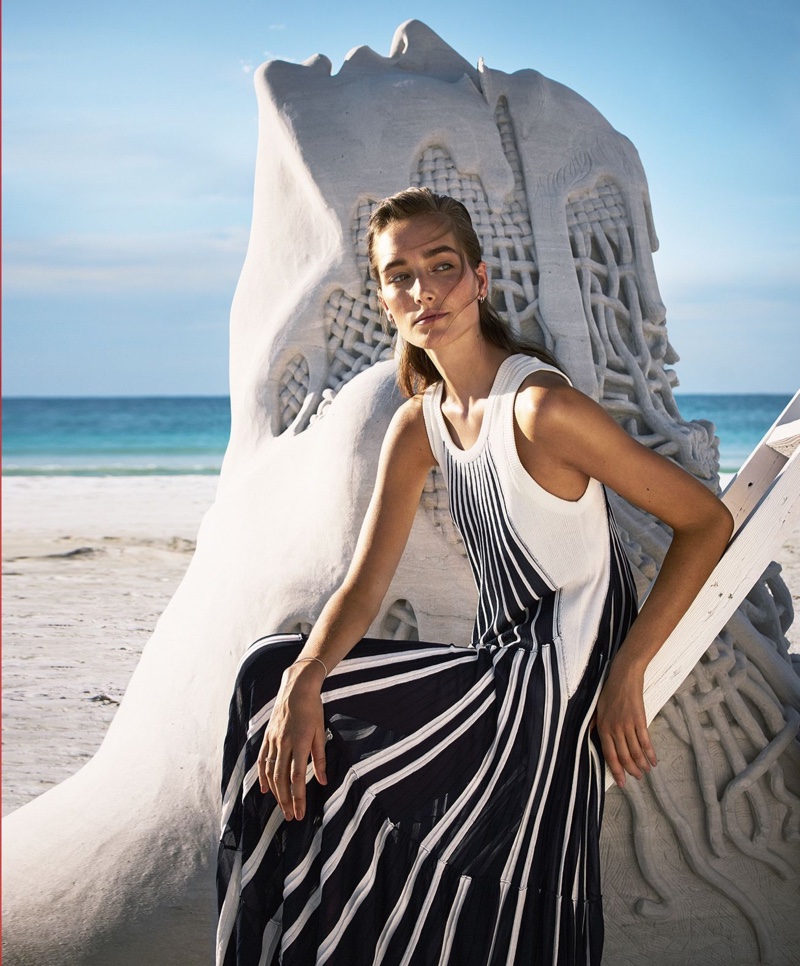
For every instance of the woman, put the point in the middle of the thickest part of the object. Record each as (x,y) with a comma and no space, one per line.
(454,809)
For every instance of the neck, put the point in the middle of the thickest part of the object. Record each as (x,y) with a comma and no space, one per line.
(468,369)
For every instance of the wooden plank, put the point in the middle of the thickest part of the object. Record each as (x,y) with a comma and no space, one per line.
(766,505)
(785,439)
(759,470)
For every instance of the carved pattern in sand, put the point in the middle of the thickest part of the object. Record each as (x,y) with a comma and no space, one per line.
(292,389)
(400,622)
(726,696)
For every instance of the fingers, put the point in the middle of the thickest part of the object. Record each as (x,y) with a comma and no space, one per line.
(295,732)
(283,773)
(646,745)
(297,788)
(613,762)
(318,756)
(627,750)
(265,763)
(268,765)
(622,724)
(288,782)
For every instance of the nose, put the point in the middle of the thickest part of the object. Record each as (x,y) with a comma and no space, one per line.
(421,291)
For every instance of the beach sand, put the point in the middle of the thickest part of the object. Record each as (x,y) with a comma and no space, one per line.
(89,564)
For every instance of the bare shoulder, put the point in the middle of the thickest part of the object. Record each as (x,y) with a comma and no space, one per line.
(407,436)
(409,420)
(579,436)
(546,406)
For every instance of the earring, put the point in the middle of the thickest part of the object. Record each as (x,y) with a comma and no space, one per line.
(481,299)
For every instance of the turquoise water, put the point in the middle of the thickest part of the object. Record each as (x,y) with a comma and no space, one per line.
(143,436)
(740,420)
(177,435)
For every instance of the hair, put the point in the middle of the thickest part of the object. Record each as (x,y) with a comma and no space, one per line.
(415,368)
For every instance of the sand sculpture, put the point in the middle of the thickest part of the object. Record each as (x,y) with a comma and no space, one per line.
(114,866)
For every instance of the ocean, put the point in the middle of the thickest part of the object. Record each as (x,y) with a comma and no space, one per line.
(134,436)
(153,436)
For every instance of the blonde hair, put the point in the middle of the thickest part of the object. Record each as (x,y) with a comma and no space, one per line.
(415,368)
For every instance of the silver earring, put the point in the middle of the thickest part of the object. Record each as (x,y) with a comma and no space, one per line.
(481,299)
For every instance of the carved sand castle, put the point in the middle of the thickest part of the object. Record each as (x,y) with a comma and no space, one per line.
(115,865)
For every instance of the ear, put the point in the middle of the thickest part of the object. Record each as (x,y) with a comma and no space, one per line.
(383,308)
(483,279)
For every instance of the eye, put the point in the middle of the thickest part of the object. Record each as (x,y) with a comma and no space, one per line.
(397,278)
(443,267)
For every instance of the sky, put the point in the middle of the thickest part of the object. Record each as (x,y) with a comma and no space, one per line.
(129,138)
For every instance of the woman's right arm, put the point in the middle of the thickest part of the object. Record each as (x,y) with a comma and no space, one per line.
(296,727)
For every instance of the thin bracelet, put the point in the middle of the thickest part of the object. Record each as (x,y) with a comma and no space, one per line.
(302,660)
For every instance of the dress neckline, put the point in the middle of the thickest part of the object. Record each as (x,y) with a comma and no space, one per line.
(474,450)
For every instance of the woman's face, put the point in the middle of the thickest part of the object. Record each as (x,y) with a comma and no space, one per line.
(426,286)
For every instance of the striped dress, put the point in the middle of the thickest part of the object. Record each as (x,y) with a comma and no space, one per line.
(460,822)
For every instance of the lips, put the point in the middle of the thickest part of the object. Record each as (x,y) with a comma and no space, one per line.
(430,318)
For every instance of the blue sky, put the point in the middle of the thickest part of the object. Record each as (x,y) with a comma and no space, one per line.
(130,138)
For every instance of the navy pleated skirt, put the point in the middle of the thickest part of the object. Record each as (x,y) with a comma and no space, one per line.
(459,825)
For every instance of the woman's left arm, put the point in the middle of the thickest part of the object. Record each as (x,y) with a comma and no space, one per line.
(590,442)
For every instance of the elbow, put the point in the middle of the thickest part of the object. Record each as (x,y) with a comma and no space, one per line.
(724,520)
(711,527)
(718,526)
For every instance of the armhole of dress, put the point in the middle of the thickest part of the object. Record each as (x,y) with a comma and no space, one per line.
(431,425)
(540,366)
(524,367)
(504,433)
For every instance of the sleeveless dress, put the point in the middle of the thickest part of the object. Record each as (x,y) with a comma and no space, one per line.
(460,822)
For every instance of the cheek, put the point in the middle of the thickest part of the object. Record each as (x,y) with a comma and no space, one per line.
(390,308)
(393,302)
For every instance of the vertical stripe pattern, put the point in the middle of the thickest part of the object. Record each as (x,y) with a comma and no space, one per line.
(460,822)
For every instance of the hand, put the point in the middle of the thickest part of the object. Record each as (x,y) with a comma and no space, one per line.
(295,730)
(622,724)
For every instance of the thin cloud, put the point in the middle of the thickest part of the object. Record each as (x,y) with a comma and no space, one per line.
(726,265)
(271,55)
(147,262)
(84,174)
